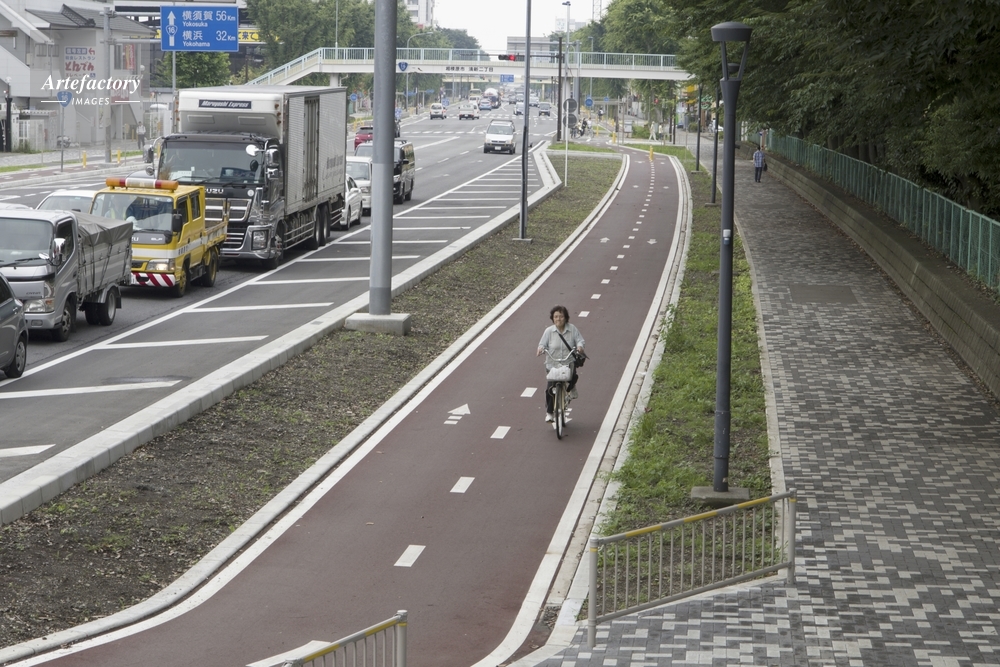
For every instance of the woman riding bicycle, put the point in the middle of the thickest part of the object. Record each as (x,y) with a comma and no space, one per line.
(559,341)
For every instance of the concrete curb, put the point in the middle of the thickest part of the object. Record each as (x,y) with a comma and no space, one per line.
(136,430)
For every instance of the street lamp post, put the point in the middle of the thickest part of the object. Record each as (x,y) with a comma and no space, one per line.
(6,131)
(730,86)
(407,97)
(567,96)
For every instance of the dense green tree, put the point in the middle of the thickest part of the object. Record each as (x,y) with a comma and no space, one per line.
(195,69)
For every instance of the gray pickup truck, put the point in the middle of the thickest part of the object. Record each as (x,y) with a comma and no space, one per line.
(58,262)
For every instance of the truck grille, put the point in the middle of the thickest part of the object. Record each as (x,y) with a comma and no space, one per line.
(239,209)
(235,233)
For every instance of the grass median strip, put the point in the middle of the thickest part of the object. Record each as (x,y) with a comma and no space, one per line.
(671,449)
(136,526)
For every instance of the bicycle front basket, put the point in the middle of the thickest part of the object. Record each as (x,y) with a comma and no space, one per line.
(559,374)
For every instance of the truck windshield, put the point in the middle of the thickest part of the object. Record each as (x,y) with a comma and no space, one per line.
(24,239)
(201,162)
(147,212)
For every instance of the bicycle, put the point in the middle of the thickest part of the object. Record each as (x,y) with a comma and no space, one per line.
(558,379)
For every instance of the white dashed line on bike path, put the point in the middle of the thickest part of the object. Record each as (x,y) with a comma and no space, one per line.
(500,432)
(462,485)
(410,556)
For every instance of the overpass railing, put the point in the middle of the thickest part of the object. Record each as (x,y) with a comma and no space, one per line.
(969,239)
(652,566)
(382,645)
(327,55)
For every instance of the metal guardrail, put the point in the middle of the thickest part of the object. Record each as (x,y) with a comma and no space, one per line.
(969,239)
(415,56)
(381,645)
(632,571)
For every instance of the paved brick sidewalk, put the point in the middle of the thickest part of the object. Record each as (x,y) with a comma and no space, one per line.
(896,458)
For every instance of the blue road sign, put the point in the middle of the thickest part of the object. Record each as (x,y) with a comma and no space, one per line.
(207,28)
(605,98)
(506,78)
(354,97)
(588,102)
(403,66)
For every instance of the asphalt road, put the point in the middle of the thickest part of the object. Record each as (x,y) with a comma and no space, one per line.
(159,345)
(457,509)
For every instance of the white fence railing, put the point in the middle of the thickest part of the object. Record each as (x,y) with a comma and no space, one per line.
(382,645)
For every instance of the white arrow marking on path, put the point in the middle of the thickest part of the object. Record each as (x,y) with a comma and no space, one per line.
(464,410)
(651,241)
(605,240)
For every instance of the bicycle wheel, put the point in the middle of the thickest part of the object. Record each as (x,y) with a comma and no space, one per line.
(559,404)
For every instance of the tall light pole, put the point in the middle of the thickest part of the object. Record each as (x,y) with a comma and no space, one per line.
(730,86)
(590,93)
(407,97)
(523,231)
(567,4)
(7,132)
(336,30)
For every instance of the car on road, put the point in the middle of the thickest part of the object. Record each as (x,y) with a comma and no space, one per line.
(501,137)
(360,169)
(544,109)
(468,110)
(403,172)
(13,332)
(69,200)
(485,104)
(365,133)
(438,110)
(354,202)
(519,109)
(533,101)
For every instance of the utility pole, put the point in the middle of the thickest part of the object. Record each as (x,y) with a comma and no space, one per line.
(108,13)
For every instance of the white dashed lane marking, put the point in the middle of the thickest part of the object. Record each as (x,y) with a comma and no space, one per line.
(462,485)
(529,391)
(500,432)
(410,556)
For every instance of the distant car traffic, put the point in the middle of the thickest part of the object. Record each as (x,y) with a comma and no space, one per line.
(485,104)
(544,109)
(13,332)
(438,111)
(69,200)
(365,133)
(468,110)
(533,101)
(500,137)
(519,109)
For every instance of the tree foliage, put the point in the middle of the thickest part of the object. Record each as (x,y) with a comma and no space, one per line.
(195,69)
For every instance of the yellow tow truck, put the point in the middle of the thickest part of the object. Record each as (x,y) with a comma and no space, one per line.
(172,244)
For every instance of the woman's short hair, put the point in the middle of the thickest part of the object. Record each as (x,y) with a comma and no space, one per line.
(559,309)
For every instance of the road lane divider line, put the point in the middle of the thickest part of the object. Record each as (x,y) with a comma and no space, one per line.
(410,556)
(500,433)
(181,343)
(28,451)
(462,485)
(584,313)
(364,259)
(303,281)
(269,306)
(76,391)
(528,392)
(432,229)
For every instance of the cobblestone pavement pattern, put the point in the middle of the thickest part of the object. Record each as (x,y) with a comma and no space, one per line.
(896,459)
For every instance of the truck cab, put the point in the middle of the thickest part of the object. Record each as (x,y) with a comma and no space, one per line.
(173,244)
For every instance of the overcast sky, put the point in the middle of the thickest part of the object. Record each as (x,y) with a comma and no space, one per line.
(491,21)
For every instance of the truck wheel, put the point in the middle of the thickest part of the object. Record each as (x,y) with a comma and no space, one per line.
(90,310)
(68,322)
(211,269)
(106,311)
(278,244)
(320,224)
(15,368)
(181,287)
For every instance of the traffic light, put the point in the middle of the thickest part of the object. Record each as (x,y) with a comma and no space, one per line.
(511,57)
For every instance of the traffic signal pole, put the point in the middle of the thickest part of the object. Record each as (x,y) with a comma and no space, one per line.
(559,87)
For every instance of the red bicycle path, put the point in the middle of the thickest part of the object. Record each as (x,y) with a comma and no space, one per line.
(334,570)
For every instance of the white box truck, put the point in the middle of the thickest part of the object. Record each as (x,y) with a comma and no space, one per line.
(273,157)
(58,262)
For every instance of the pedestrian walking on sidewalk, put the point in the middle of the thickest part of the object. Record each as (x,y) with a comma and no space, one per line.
(140,134)
(759,164)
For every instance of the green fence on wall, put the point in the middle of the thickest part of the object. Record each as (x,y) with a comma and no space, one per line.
(970,240)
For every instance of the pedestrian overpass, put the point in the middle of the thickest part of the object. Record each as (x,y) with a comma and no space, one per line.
(474,62)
